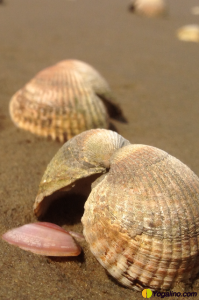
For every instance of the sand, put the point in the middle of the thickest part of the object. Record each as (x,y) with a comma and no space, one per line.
(154,77)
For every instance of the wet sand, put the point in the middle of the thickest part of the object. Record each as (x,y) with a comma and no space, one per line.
(155,78)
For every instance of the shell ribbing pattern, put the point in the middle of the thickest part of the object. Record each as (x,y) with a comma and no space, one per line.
(144,230)
(141,218)
(61,101)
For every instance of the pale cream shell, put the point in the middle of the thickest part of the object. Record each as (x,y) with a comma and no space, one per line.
(189,33)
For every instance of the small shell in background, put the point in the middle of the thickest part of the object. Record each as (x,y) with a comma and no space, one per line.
(44,238)
(149,8)
(64,100)
(188,33)
(195,10)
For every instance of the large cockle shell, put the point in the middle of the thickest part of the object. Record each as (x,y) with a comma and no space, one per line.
(63,100)
(149,8)
(141,218)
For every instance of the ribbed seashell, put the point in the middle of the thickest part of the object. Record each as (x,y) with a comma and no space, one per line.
(149,8)
(84,157)
(141,218)
(64,100)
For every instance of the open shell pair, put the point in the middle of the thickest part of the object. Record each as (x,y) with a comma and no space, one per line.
(141,217)
(64,100)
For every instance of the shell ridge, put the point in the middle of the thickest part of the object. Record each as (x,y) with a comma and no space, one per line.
(88,112)
(109,249)
(110,270)
(192,233)
(60,121)
(184,193)
(139,177)
(173,180)
(117,158)
(181,244)
(165,230)
(77,103)
(194,210)
(81,105)
(150,174)
(165,180)
(148,257)
(70,101)
(82,91)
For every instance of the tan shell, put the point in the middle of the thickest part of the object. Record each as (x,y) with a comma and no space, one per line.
(63,100)
(149,8)
(84,157)
(141,218)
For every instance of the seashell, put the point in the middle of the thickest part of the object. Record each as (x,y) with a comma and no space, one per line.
(64,100)
(195,10)
(188,33)
(44,238)
(84,157)
(141,218)
(148,8)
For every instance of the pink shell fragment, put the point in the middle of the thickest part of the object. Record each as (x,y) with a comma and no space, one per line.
(43,238)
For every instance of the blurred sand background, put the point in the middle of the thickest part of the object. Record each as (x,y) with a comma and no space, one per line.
(156,80)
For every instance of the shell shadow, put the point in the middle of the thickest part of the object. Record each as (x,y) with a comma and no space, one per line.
(189,285)
(113,109)
(113,127)
(80,258)
(112,279)
(66,210)
(131,7)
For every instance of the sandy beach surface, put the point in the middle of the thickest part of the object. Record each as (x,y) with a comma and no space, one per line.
(155,78)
